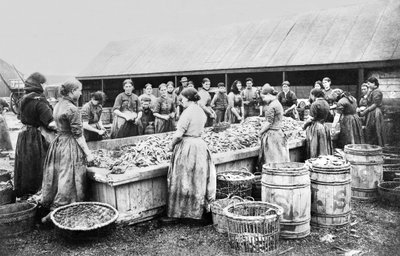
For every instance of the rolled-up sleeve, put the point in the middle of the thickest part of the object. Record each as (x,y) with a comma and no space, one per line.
(85,112)
(117,103)
(157,106)
(183,124)
(377,98)
(270,114)
(75,121)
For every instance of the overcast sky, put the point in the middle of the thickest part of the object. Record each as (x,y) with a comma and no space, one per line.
(61,37)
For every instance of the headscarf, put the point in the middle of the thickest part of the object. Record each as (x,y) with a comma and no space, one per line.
(34,83)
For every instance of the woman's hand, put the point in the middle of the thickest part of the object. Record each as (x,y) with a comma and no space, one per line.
(100,132)
(170,147)
(89,157)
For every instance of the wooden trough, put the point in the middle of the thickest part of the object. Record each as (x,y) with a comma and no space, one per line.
(140,194)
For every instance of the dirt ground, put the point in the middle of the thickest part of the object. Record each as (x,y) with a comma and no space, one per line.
(375,230)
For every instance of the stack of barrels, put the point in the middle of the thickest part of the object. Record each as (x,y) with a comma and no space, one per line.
(319,192)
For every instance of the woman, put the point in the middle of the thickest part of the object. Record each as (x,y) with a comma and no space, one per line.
(318,138)
(288,100)
(235,110)
(35,114)
(191,175)
(126,118)
(374,114)
(330,96)
(219,103)
(273,147)
(64,179)
(318,84)
(5,140)
(91,117)
(148,92)
(350,123)
(164,111)
(171,92)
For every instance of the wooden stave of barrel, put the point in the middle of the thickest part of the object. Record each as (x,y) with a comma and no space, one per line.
(288,185)
(330,196)
(366,170)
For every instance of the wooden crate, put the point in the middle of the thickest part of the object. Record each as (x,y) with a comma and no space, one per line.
(140,194)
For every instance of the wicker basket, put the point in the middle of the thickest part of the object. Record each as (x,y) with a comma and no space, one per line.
(253,227)
(219,127)
(388,193)
(217,208)
(227,186)
(84,220)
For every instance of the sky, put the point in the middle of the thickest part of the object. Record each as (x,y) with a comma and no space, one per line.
(61,37)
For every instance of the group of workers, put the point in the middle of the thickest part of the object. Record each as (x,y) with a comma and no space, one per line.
(57,164)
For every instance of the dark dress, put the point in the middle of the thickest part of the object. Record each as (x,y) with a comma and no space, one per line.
(164,106)
(5,141)
(350,123)
(318,136)
(273,147)
(120,127)
(331,98)
(220,104)
(64,176)
(31,148)
(234,101)
(287,100)
(92,115)
(374,121)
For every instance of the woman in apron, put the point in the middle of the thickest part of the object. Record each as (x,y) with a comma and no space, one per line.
(191,175)
(93,128)
(64,177)
(35,114)
(234,111)
(164,111)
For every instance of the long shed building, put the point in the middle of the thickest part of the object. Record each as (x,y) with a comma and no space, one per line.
(347,44)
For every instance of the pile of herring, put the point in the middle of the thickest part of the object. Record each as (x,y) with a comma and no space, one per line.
(154,149)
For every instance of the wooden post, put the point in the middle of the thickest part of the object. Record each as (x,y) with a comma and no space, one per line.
(226,82)
(360,81)
(176,81)
(283,76)
(102,85)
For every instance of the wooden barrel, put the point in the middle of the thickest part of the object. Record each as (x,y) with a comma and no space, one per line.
(16,219)
(366,170)
(330,195)
(288,185)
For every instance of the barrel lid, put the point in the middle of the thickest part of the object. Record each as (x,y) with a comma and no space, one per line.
(289,166)
(328,162)
(362,149)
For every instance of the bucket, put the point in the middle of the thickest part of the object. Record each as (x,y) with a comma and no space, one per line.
(16,219)
(288,185)
(330,195)
(366,170)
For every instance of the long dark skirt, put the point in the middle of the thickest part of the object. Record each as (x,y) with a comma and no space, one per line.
(121,128)
(64,176)
(273,148)
(374,128)
(191,179)
(5,141)
(318,140)
(350,131)
(162,125)
(30,153)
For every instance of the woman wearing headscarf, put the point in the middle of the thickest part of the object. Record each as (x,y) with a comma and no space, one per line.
(273,147)
(93,128)
(64,177)
(191,174)
(318,137)
(35,114)
(330,96)
(374,121)
(164,111)
(126,108)
(350,123)
(235,110)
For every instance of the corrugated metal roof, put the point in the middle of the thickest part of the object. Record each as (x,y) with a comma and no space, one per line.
(360,33)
